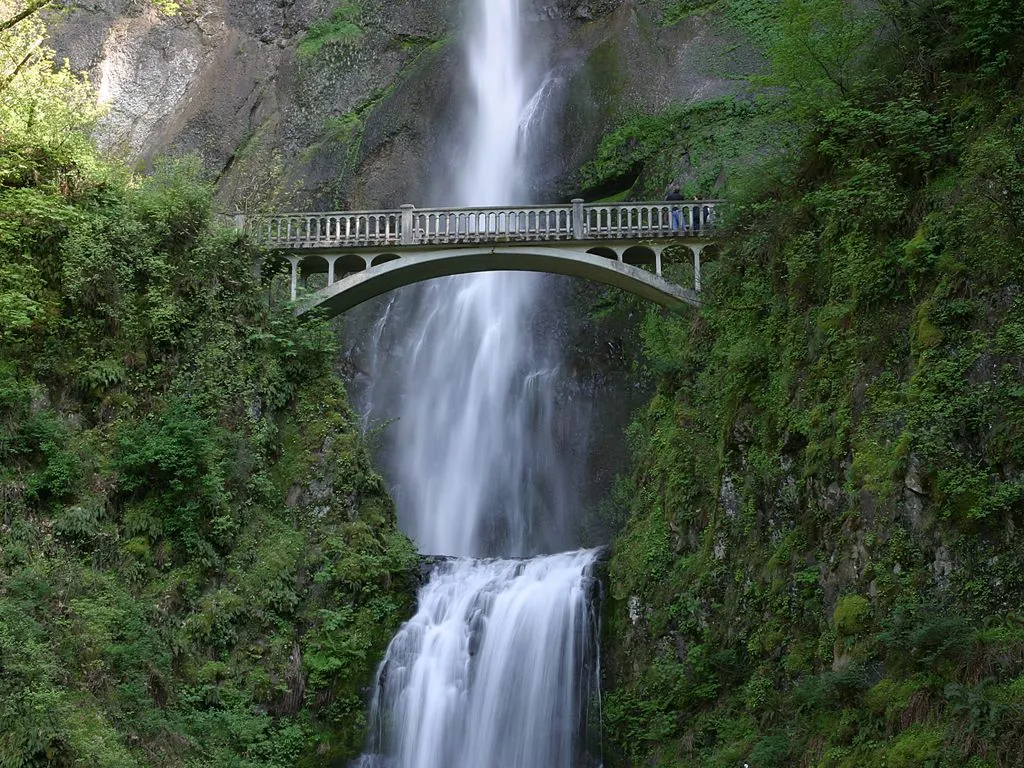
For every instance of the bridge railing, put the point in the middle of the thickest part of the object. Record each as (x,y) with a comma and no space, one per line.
(321,230)
(412,226)
(441,226)
(638,220)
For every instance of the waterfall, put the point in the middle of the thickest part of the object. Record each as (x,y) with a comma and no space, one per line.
(476,463)
(498,667)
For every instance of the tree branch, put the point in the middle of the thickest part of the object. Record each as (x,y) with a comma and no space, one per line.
(28,10)
(6,81)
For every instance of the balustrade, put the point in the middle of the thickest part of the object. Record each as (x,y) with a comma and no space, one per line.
(450,226)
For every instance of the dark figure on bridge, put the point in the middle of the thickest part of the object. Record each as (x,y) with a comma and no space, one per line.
(677,218)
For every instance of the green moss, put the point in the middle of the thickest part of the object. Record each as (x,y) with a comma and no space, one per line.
(703,146)
(341,27)
(826,474)
(851,615)
(917,747)
(674,11)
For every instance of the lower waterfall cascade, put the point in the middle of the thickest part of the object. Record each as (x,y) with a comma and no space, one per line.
(498,668)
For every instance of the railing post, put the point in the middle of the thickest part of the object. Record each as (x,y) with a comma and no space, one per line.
(577,218)
(408,236)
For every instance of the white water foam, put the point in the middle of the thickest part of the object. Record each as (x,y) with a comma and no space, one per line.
(498,669)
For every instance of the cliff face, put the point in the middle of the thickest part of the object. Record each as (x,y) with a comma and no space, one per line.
(821,560)
(226,80)
(346,104)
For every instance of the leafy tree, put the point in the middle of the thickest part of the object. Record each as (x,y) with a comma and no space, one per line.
(817,49)
(40,102)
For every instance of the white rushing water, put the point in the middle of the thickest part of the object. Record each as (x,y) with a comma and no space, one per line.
(470,378)
(498,667)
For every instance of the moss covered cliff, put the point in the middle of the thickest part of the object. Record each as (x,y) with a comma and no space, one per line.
(823,564)
(198,564)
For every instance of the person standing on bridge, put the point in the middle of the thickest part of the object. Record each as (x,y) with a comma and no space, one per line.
(677,217)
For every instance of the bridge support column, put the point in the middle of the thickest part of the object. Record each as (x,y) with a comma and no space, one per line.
(577,218)
(330,269)
(697,250)
(657,261)
(295,276)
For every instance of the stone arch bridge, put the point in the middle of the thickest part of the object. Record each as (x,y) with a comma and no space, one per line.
(366,253)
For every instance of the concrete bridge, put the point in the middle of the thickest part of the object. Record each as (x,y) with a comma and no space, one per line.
(367,253)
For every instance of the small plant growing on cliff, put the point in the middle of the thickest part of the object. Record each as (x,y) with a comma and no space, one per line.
(851,614)
(341,27)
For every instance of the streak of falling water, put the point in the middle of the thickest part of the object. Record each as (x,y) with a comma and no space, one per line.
(476,461)
(498,667)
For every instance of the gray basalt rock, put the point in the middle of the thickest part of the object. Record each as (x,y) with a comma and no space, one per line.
(360,123)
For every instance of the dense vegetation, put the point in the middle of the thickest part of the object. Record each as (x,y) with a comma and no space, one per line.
(823,563)
(198,565)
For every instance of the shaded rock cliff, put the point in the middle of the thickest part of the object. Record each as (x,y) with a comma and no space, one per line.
(345,104)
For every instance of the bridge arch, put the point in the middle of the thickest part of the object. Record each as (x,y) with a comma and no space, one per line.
(605,251)
(366,253)
(414,267)
(641,255)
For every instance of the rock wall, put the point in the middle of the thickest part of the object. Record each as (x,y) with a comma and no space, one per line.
(358,121)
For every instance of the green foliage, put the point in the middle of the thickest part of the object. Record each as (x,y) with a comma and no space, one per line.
(171,466)
(817,49)
(39,100)
(188,515)
(827,481)
(341,27)
(18,310)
